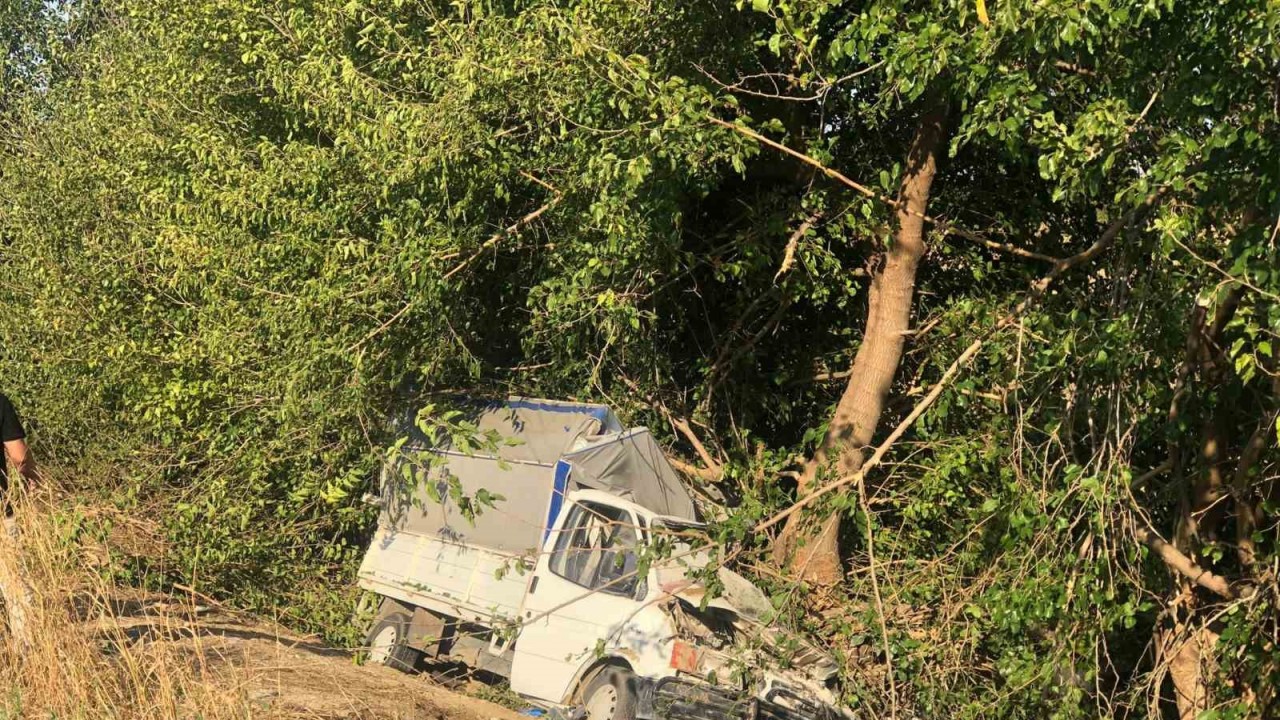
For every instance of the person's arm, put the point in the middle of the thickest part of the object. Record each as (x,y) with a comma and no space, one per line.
(14,437)
(16,451)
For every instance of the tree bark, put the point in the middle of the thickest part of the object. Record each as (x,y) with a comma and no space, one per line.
(814,554)
(1191,662)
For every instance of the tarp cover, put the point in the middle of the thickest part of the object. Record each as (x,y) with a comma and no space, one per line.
(630,464)
(588,438)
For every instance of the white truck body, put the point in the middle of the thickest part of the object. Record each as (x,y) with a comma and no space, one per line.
(552,570)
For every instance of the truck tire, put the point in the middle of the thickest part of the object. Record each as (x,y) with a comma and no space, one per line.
(611,695)
(388,641)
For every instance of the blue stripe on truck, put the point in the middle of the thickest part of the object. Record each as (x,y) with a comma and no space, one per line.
(557,496)
(597,412)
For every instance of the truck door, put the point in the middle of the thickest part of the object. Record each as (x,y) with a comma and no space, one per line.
(581,598)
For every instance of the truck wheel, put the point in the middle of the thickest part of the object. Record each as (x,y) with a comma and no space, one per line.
(388,642)
(611,695)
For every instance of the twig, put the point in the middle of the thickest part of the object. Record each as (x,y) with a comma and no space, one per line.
(378,330)
(833,174)
(884,447)
(1218,268)
(859,73)
(875,591)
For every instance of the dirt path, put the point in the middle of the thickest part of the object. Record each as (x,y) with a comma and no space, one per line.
(278,671)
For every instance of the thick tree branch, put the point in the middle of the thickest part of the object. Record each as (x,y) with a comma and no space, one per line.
(682,426)
(693,470)
(1183,565)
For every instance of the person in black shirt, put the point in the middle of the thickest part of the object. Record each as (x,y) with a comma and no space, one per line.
(14,588)
(14,438)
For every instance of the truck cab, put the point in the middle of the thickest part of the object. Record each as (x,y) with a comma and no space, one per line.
(592,605)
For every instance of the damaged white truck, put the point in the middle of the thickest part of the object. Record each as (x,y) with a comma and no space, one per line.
(550,586)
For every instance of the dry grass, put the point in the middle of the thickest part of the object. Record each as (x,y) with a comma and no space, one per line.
(88,648)
(70,657)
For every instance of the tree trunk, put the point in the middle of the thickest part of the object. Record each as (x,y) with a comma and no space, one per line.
(1192,661)
(814,554)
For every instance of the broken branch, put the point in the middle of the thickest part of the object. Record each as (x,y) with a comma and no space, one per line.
(693,470)
(682,426)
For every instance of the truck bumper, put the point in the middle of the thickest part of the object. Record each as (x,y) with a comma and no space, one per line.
(677,699)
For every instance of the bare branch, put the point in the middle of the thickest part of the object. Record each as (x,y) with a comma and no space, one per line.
(738,88)
(875,590)
(995,245)
(692,470)
(1225,274)
(833,174)
(1141,481)
(1077,69)
(682,426)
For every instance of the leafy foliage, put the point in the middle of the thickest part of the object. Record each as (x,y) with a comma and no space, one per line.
(240,235)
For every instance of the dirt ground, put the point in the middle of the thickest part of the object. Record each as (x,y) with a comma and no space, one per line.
(291,675)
